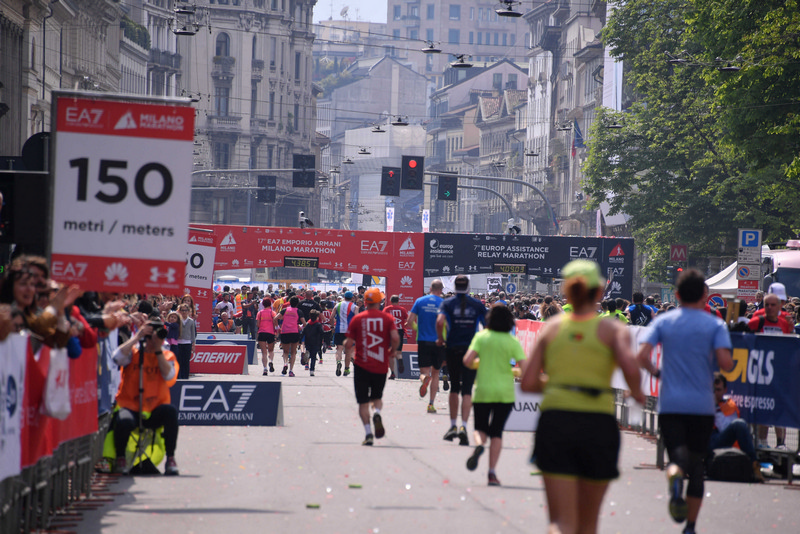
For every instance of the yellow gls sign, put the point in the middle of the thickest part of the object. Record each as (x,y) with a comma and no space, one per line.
(754,366)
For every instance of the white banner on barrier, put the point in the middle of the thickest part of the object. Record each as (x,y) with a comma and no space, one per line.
(525,414)
(13,352)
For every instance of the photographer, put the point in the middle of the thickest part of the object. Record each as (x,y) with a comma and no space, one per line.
(161,372)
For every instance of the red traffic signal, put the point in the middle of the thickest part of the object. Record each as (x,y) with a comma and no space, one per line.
(413,169)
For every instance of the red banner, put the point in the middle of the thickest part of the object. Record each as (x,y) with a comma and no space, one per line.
(527,331)
(40,434)
(219,359)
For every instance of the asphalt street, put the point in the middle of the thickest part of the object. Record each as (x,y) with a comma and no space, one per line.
(313,475)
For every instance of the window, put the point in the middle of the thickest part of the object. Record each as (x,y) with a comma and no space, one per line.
(272,106)
(272,52)
(255,48)
(505,39)
(270,152)
(222,97)
(222,156)
(472,13)
(218,209)
(453,36)
(497,81)
(297,65)
(480,38)
(513,39)
(471,37)
(455,12)
(429,34)
(496,38)
(413,11)
(512,82)
(296,117)
(223,45)
(413,35)
(396,34)
(253,99)
(253,156)
(397,10)
(430,11)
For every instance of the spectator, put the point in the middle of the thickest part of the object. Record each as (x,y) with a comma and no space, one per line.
(225,324)
(186,340)
(640,314)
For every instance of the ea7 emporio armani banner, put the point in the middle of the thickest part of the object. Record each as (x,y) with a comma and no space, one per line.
(228,403)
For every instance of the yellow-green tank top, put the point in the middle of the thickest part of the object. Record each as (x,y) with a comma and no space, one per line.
(579,367)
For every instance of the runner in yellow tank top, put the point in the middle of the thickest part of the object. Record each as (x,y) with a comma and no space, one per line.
(577,440)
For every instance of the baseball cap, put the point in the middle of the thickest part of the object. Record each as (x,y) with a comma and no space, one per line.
(373,295)
(348,295)
(778,289)
(588,270)
(461,283)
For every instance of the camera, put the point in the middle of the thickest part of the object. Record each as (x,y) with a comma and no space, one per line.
(158,329)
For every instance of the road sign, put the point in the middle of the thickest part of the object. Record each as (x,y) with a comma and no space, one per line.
(747,290)
(748,272)
(121,215)
(511,288)
(749,246)
(716,300)
(678,253)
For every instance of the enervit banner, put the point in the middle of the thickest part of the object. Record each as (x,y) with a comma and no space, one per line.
(228,403)
(451,254)
(228,339)
(219,359)
(765,381)
(121,208)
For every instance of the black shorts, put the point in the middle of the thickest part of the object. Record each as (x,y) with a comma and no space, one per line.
(266,336)
(491,417)
(293,337)
(685,430)
(368,386)
(338,338)
(400,346)
(429,355)
(578,445)
(461,378)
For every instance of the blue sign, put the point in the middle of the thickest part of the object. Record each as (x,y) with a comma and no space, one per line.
(229,339)
(511,288)
(765,381)
(410,366)
(228,403)
(744,271)
(749,238)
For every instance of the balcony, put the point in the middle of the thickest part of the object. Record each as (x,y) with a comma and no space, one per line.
(257,69)
(225,123)
(223,67)
(258,127)
(164,59)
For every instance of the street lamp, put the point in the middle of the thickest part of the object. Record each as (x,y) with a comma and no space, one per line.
(460,62)
(431,48)
(508,10)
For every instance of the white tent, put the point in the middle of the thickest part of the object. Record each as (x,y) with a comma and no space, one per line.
(724,282)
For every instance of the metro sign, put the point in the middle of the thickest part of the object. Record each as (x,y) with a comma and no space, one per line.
(678,253)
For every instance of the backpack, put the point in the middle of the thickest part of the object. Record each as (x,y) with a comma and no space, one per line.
(640,315)
(730,465)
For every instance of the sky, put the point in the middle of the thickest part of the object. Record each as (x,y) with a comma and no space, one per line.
(364,10)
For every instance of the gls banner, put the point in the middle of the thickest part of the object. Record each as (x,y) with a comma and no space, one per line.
(228,403)
(765,381)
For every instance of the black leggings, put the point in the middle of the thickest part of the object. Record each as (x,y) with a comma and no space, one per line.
(686,439)
(126,420)
(184,357)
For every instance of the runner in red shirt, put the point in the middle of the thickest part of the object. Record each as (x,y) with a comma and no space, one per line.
(374,336)
(400,315)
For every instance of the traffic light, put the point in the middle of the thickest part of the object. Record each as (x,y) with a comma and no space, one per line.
(267,189)
(675,274)
(390,181)
(448,187)
(412,172)
(304,173)
(671,274)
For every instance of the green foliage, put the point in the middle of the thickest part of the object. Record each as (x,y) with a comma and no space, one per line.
(135,32)
(333,81)
(702,151)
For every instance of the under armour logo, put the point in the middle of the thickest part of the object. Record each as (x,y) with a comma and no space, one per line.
(156,275)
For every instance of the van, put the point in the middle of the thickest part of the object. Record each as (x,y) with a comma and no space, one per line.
(782,265)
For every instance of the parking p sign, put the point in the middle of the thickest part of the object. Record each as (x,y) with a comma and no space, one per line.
(749,249)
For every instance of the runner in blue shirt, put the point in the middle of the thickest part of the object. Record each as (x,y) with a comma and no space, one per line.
(462,314)
(343,313)
(430,357)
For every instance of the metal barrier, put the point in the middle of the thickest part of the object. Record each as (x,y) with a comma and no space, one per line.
(29,501)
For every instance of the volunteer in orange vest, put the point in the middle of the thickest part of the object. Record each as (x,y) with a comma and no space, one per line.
(161,372)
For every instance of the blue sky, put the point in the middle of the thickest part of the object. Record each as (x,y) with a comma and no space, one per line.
(366,10)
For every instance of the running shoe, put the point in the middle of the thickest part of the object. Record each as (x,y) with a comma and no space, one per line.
(472,461)
(271,368)
(431,408)
(291,373)
(451,434)
(689,530)
(346,371)
(378,422)
(339,368)
(462,436)
(285,368)
(320,360)
(493,480)
(392,377)
(265,373)
(306,367)
(401,368)
(311,373)
(369,440)
(445,383)
(677,504)
(423,389)
(171,469)
(122,466)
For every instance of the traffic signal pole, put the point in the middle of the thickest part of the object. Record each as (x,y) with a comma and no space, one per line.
(506,180)
(481,188)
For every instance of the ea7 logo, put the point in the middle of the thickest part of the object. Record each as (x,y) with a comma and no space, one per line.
(406,265)
(582,252)
(615,271)
(69,269)
(373,246)
(84,115)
